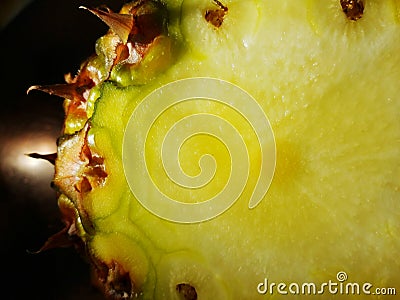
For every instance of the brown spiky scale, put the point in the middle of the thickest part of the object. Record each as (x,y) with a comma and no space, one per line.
(120,24)
(78,168)
(72,234)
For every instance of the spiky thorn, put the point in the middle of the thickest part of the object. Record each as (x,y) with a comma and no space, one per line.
(64,90)
(121,24)
(74,89)
(51,158)
(72,234)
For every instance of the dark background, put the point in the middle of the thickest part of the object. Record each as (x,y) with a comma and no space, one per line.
(44,41)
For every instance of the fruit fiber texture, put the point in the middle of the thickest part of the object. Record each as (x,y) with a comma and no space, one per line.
(324,73)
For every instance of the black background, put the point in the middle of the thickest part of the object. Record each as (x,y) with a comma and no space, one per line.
(42,43)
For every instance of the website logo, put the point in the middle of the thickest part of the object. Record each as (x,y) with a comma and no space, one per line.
(212,121)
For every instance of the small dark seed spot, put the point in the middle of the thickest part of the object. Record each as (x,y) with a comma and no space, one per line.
(353,9)
(186,291)
(216,16)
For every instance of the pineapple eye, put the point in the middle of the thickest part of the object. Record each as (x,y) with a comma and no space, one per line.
(353,9)
(216,16)
(186,291)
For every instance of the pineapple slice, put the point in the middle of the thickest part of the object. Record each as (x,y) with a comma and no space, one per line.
(238,150)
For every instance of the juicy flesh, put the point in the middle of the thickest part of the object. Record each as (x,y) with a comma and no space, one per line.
(328,82)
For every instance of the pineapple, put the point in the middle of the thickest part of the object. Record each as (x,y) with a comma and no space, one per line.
(236,150)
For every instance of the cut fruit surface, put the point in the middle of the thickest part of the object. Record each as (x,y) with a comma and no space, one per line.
(325,78)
